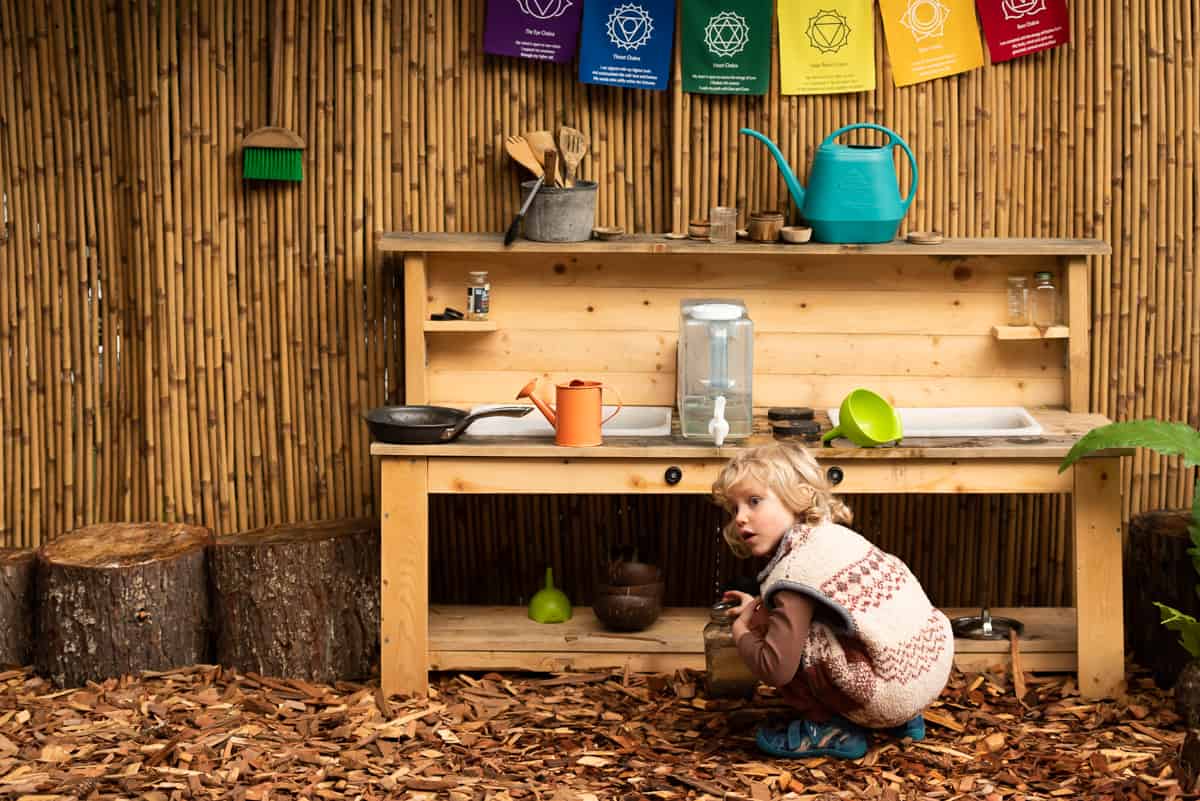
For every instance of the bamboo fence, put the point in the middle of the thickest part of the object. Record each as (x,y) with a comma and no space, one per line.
(176,345)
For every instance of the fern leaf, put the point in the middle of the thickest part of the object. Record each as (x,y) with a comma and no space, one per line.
(1169,439)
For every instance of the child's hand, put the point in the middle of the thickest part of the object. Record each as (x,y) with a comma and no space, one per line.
(742,600)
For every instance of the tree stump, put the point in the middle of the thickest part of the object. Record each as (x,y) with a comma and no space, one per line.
(298,600)
(16,606)
(117,598)
(1158,568)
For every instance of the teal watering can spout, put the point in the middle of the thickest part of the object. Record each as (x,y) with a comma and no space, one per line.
(789,177)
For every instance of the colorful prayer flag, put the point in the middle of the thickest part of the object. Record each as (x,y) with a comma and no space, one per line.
(546,30)
(1019,27)
(826,46)
(726,46)
(627,43)
(929,39)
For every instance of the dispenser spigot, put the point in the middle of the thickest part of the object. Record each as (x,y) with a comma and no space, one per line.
(718,426)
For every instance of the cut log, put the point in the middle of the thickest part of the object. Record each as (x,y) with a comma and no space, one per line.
(298,600)
(119,598)
(16,605)
(1158,568)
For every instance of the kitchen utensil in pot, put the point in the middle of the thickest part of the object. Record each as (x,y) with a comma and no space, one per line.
(520,151)
(867,420)
(573,146)
(511,233)
(541,143)
(428,425)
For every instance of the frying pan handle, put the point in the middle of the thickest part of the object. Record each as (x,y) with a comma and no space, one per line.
(512,410)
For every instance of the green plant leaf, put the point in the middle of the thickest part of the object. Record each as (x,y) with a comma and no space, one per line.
(1169,439)
(1187,626)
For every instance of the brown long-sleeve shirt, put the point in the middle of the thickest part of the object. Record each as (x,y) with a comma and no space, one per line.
(772,646)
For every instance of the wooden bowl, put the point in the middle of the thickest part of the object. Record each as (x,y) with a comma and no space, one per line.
(606,234)
(698,229)
(622,610)
(766,225)
(796,234)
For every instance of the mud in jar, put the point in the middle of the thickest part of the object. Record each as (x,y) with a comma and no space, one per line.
(725,674)
(479,295)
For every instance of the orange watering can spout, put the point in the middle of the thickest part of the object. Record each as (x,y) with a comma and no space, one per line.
(527,392)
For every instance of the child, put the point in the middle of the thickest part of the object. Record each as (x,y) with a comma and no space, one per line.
(843,629)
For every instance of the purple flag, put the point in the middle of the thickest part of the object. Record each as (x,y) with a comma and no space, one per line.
(546,30)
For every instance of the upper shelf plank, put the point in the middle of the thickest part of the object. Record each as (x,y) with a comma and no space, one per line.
(412,242)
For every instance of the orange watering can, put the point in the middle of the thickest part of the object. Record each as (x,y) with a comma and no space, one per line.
(576,414)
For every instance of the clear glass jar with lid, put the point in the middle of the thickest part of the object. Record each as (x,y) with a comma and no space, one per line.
(725,674)
(479,295)
(1018,300)
(1044,300)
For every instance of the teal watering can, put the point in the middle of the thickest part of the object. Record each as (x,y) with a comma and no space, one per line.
(853,191)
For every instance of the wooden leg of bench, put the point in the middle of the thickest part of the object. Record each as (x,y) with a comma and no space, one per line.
(1098,597)
(404,574)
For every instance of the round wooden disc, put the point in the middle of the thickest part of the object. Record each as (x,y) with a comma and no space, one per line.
(924,237)
(124,544)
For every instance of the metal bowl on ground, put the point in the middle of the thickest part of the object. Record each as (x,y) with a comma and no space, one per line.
(631,608)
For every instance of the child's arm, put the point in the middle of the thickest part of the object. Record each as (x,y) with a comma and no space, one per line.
(774,655)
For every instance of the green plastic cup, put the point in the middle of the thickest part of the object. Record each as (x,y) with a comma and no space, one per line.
(867,420)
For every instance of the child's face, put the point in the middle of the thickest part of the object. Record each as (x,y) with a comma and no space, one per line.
(760,517)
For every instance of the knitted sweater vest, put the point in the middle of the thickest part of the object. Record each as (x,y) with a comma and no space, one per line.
(870,603)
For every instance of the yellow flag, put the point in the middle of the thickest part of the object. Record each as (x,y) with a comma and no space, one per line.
(927,39)
(826,46)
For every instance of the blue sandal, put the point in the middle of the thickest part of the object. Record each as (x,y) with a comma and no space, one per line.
(913,729)
(803,738)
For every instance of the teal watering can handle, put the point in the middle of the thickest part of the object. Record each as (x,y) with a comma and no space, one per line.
(893,140)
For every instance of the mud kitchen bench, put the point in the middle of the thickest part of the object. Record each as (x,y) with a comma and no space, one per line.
(921,324)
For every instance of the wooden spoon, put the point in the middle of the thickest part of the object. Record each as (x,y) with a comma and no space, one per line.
(573,146)
(522,153)
(542,142)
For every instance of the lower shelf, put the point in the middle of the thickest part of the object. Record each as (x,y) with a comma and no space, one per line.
(504,638)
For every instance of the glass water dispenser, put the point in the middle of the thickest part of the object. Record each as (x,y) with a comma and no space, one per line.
(714,368)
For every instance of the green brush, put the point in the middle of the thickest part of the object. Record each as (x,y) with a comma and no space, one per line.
(273,154)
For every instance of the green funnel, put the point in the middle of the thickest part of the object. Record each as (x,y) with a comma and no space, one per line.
(549,605)
(867,420)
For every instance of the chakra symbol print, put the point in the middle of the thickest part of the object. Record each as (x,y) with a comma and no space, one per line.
(629,26)
(1015,9)
(828,31)
(544,9)
(925,18)
(726,34)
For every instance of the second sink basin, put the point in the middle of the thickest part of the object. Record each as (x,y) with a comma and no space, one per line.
(964,421)
(631,421)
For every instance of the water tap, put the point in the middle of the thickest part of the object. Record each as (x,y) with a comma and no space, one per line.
(718,426)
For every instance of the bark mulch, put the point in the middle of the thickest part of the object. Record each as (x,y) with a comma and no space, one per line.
(208,733)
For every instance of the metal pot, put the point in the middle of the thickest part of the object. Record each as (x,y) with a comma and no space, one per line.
(428,425)
(985,627)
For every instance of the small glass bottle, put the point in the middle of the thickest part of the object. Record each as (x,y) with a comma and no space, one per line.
(1044,300)
(1018,300)
(726,675)
(479,292)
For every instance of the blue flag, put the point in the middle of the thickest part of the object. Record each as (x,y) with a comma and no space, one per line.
(627,43)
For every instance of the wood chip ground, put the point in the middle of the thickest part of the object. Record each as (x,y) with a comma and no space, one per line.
(207,733)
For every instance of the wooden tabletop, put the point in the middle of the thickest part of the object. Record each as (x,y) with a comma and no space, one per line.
(658,243)
(1060,430)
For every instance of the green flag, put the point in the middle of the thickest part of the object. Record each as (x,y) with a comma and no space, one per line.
(726,46)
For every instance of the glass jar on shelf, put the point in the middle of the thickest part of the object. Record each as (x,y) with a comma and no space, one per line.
(479,292)
(725,674)
(1018,300)
(1044,301)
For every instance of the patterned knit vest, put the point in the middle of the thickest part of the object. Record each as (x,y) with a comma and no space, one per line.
(870,603)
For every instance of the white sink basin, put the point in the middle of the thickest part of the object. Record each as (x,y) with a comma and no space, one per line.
(631,421)
(964,421)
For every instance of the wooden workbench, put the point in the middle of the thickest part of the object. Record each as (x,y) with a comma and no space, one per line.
(920,324)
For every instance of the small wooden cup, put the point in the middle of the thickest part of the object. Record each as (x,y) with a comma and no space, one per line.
(765,226)
(698,229)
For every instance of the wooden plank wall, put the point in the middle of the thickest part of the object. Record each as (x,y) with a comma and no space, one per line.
(175,345)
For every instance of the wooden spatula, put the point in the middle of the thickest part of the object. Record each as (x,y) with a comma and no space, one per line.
(542,142)
(573,146)
(520,151)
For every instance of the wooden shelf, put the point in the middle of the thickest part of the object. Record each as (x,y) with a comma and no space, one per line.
(1030,332)
(460,326)
(503,637)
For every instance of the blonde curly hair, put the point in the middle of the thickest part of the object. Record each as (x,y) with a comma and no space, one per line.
(792,474)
